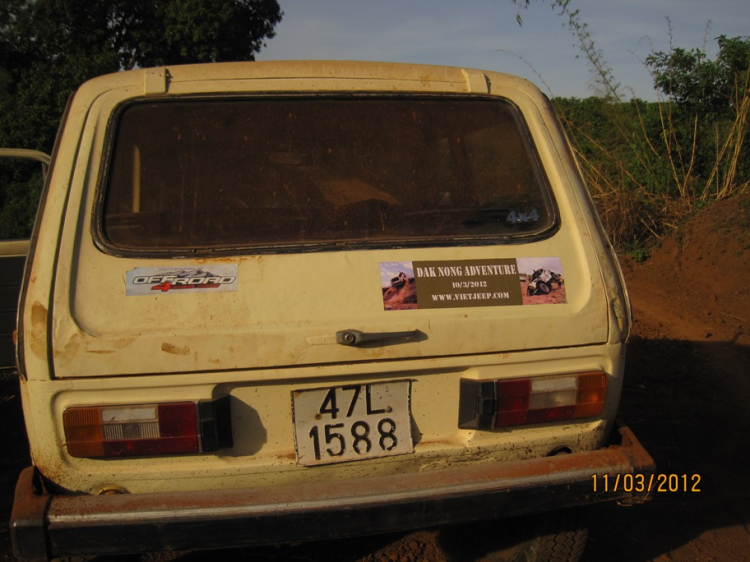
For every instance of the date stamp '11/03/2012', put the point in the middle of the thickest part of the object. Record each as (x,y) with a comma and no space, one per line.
(646,483)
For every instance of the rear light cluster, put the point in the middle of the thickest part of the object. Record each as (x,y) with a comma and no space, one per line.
(148,429)
(502,403)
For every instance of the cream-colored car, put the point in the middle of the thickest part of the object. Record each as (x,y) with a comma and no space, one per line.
(212,348)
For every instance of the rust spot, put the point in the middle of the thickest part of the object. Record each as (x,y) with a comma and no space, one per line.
(71,347)
(217,259)
(110,490)
(443,442)
(38,316)
(39,330)
(174,350)
(124,342)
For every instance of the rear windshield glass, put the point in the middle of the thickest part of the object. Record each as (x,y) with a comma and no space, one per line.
(251,173)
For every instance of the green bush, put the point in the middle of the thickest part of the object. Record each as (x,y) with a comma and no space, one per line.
(649,164)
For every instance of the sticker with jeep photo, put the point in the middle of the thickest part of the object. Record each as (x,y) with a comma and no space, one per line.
(215,278)
(542,280)
(471,283)
(398,285)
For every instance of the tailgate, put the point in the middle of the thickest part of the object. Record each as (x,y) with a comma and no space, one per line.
(272,232)
(286,310)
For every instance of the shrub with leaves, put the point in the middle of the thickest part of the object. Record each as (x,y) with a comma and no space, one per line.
(648,164)
(49,47)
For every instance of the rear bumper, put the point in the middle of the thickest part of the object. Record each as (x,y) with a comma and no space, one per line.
(45,526)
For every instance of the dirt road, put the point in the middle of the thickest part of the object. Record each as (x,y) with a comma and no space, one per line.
(686,396)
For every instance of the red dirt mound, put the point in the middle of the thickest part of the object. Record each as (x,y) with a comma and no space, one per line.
(403,297)
(696,286)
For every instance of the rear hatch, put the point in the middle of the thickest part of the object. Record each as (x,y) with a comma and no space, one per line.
(345,222)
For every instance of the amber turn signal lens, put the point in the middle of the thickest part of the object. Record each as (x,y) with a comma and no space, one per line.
(148,429)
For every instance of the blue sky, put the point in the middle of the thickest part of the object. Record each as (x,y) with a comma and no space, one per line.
(484,34)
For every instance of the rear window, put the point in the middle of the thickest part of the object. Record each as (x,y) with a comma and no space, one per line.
(197,175)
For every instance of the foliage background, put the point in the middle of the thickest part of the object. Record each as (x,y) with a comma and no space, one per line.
(650,164)
(50,47)
(647,164)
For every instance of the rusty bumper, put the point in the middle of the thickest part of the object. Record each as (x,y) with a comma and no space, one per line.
(44,526)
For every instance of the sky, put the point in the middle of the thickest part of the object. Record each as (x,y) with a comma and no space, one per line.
(484,34)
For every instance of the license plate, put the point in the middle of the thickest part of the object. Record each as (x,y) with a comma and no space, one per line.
(353,422)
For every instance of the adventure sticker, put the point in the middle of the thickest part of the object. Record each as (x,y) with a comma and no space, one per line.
(160,280)
(470,283)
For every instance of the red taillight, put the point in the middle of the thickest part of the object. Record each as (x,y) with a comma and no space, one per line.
(147,429)
(546,399)
(512,403)
(487,404)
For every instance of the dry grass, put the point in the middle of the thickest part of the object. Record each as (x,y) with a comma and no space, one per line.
(635,210)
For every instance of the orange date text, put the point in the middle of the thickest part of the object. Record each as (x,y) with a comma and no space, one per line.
(640,483)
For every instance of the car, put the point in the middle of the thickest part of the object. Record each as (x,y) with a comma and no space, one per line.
(206,359)
(541,282)
(399,280)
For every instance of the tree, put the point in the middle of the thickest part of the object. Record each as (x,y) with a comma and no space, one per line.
(702,86)
(49,47)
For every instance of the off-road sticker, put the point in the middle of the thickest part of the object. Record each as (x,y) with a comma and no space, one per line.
(471,283)
(190,279)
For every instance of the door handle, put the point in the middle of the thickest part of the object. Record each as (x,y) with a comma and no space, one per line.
(356,337)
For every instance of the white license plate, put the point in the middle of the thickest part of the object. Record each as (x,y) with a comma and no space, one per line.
(353,422)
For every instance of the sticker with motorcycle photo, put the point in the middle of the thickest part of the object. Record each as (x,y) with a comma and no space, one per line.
(471,283)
